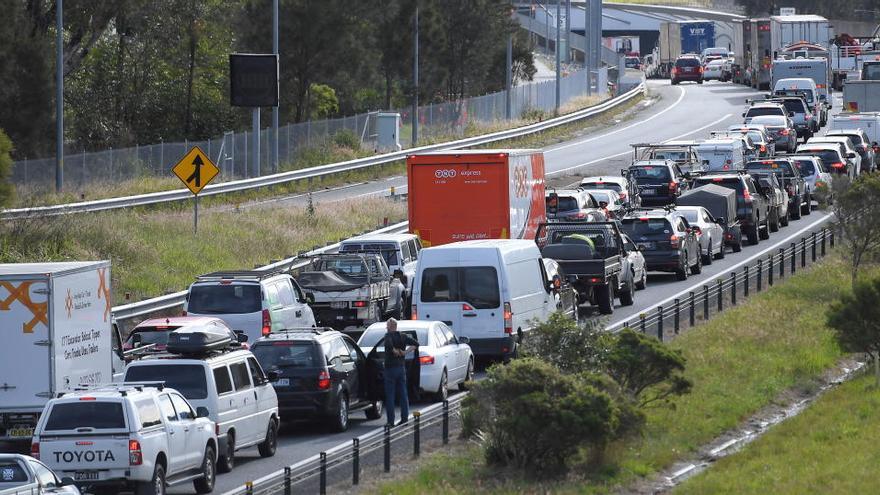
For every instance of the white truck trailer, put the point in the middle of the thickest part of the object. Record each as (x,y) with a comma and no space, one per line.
(58,335)
(787,30)
(861,96)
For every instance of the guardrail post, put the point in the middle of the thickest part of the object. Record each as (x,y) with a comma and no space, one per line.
(660,323)
(813,247)
(720,295)
(824,235)
(831,238)
(760,273)
(445,422)
(387,447)
(693,310)
(249,487)
(793,257)
(355,461)
(323,487)
(770,271)
(781,263)
(748,281)
(803,252)
(677,315)
(706,302)
(417,448)
(287,480)
(733,288)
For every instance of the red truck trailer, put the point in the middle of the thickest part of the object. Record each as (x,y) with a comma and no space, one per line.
(462,195)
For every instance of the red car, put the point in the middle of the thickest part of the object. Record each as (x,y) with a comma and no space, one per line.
(687,68)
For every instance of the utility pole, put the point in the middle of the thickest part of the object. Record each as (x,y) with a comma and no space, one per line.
(558,55)
(568,31)
(508,75)
(415,100)
(275,108)
(59,96)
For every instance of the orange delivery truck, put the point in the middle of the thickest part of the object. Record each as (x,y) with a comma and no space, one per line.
(460,195)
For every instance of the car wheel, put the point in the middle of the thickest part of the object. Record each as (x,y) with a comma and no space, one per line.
(268,446)
(339,421)
(227,461)
(707,258)
(674,82)
(155,486)
(443,390)
(605,299)
(682,272)
(774,225)
(753,234)
(700,81)
(626,295)
(721,252)
(469,374)
(807,208)
(698,266)
(764,233)
(643,282)
(783,220)
(205,484)
(794,213)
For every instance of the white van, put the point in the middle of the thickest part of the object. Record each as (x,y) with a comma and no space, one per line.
(490,291)
(722,153)
(814,96)
(866,121)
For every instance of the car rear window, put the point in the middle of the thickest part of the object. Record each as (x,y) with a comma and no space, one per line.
(475,285)
(12,472)
(100,415)
(287,354)
(567,203)
(641,227)
(649,173)
(796,106)
(687,62)
(371,337)
(613,186)
(806,167)
(827,156)
(871,72)
(188,379)
(855,138)
(759,111)
(225,299)
(731,183)
(777,167)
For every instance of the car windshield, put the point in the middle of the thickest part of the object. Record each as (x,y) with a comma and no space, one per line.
(827,156)
(761,111)
(372,336)
(348,266)
(220,299)
(734,183)
(796,106)
(100,415)
(855,138)
(806,167)
(613,186)
(650,174)
(687,62)
(642,227)
(188,379)
(632,62)
(799,92)
(286,354)
(670,155)
(475,285)
(757,136)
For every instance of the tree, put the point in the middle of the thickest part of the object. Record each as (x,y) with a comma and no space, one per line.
(322,101)
(855,319)
(645,368)
(857,209)
(6,188)
(565,344)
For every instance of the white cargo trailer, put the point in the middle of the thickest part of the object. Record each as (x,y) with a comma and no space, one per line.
(790,29)
(57,335)
(861,96)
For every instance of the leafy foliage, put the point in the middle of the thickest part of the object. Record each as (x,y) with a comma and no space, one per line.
(6,189)
(855,319)
(565,344)
(857,210)
(645,368)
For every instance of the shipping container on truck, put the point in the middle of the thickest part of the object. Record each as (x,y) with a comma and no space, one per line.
(57,335)
(680,37)
(742,35)
(790,29)
(761,54)
(475,194)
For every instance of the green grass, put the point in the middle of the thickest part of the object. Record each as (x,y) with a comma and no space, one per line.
(738,363)
(156,252)
(830,448)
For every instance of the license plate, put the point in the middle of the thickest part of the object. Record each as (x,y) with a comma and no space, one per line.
(339,304)
(85,475)
(282,382)
(649,191)
(646,245)
(21,432)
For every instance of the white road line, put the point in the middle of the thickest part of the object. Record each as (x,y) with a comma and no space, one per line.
(697,285)
(634,124)
(722,119)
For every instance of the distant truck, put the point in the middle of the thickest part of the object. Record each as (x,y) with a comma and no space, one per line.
(680,37)
(462,195)
(818,69)
(861,96)
(58,335)
(787,30)
(760,56)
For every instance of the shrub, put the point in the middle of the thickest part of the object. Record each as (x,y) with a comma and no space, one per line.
(346,138)
(532,417)
(645,368)
(562,342)
(6,188)
(855,319)
(533,115)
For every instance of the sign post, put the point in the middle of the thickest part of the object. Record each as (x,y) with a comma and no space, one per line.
(196,170)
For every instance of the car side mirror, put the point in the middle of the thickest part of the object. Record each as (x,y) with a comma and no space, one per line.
(464,340)
(720,220)
(791,114)
(202,412)
(272,375)
(136,340)
(743,114)
(241,336)
(603,204)
(850,154)
(67,481)
(310,297)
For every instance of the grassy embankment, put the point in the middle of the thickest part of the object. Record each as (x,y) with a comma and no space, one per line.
(738,362)
(156,252)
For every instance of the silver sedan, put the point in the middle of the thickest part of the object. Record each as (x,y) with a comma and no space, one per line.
(709,232)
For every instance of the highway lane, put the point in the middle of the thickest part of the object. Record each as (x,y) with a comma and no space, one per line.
(682,112)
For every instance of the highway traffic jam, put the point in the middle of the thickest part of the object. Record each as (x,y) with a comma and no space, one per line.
(491,250)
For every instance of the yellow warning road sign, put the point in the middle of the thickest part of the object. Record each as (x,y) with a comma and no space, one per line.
(195,169)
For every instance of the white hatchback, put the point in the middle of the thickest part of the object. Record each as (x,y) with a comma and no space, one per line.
(445,360)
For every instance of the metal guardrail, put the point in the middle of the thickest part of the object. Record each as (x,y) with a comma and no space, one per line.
(283,480)
(307,173)
(176,299)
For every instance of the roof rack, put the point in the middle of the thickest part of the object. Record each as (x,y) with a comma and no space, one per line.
(122,387)
(301,330)
(238,275)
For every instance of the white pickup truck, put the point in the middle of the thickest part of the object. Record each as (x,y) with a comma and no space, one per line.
(23,475)
(127,436)
(401,253)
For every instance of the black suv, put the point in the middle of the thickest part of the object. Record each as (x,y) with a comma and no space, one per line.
(687,68)
(666,240)
(752,207)
(659,182)
(790,177)
(322,374)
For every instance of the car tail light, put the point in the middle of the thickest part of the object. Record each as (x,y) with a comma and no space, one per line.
(763,148)
(747,196)
(267,322)
(698,231)
(673,241)
(217,429)
(135,455)
(700,70)
(35,450)
(727,164)
(359,304)
(183,313)
(466,307)
(876,149)
(808,117)
(595,280)
(508,319)
(414,313)
(673,186)
(426,360)
(674,71)
(323,380)
(837,165)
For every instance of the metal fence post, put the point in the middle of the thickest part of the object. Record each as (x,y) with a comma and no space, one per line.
(803,252)
(445,422)
(355,461)
(747,281)
(387,445)
(249,487)
(831,238)
(323,487)
(677,315)
(770,271)
(793,257)
(813,247)
(720,295)
(693,311)
(287,481)
(781,263)
(733,288)
(660,323)
(706,302)
(417,448)
(824,235)
(760,273)
(642,323)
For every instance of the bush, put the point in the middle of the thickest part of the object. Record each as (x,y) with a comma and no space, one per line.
(564,343)
(532,417)
(646,369)
(855,319)
(6,189)
(533,114)
(346,138)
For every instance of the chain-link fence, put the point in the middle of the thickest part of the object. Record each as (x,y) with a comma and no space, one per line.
(232,151)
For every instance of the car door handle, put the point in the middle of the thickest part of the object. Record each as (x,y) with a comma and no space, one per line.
(171,432)
(469,315)
(255,395)
(299,313)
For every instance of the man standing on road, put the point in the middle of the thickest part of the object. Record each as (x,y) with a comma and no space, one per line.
(396,347)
